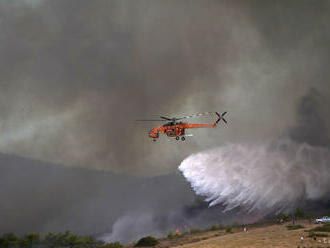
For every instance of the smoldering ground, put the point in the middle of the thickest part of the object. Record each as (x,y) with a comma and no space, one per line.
(75,74)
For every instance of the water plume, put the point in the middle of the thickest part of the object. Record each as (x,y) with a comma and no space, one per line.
(271,176)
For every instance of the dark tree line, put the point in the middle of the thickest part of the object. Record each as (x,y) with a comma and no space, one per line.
(53,240)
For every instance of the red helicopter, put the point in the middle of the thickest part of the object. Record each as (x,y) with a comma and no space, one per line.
(177,129)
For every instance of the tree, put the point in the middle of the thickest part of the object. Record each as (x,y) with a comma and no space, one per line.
(147,241)
(32,239)
(10,237)
(111,245)
(4,243)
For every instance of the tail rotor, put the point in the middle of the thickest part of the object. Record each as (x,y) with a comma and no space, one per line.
(221,117)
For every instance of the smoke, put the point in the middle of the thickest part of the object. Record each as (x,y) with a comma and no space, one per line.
(311,126)
(101,65)
(132,226)
(144,222)
(76,74)
(266,177)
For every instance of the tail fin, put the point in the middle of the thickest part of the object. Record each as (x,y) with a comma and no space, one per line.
(220,117)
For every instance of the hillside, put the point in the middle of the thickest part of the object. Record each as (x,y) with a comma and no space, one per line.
(269,235)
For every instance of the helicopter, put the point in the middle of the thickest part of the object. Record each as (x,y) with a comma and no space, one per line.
(176,128)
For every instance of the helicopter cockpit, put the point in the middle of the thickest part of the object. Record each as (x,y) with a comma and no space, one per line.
(169,124)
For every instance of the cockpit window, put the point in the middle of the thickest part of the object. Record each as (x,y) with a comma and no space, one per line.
(169,124)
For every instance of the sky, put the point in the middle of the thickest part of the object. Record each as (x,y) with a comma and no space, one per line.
(75,75)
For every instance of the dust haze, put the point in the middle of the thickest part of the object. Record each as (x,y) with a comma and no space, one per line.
(74,75)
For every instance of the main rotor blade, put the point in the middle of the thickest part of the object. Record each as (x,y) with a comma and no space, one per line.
(149,120)
(166,118)
(195,115)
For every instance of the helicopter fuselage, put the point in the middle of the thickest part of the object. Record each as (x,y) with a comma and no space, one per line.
(175,129)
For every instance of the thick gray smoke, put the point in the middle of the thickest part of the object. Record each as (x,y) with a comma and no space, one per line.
(76,74)
(266,177)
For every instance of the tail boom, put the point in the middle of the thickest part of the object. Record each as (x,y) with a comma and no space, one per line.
(220,117)
(200,125)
